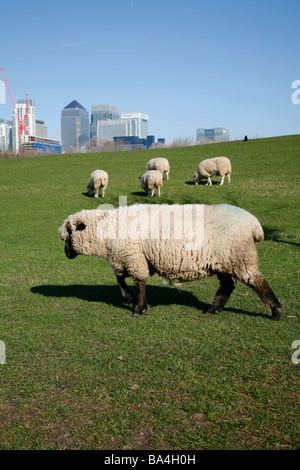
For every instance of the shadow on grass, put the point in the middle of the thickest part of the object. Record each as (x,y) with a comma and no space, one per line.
(202,183)
(271,235)
(140,193)
(111,295)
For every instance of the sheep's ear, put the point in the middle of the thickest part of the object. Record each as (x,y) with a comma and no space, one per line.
(64,231)
(80,226)
(68,227)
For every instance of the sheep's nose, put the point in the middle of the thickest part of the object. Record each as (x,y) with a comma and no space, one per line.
(71,254)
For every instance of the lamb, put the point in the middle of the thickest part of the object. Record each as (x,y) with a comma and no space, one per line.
(150,180)
(213,166)
(99,179)
(144,239)
(160,164)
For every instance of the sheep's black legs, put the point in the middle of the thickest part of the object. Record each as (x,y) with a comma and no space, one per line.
(262,288)
(126,291)
(227,284)
(259,284)
(142,301)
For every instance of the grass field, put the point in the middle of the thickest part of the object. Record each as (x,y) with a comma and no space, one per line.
(81,373)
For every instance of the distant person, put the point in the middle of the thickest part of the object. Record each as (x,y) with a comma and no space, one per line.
(245,138)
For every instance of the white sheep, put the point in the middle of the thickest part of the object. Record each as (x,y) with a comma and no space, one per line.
(213,166)
(184,242)
(150,180)
(160,164)
(99,179)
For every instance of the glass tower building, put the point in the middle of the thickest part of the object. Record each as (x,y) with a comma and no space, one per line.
(138,124)
(217,134)
(102,112)
(29,121)
(74,127)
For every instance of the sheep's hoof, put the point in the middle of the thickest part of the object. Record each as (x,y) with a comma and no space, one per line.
(212,311)
(139,311)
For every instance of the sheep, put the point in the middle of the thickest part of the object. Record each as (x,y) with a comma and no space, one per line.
(150,180)
(160,164)
(99,179)
(184,242)
(213,166)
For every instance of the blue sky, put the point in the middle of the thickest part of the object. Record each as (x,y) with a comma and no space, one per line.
(187,64)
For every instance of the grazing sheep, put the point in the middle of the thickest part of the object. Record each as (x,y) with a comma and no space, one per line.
(150,180)
(99,179)
(144,239)
(213,166)
(160,164)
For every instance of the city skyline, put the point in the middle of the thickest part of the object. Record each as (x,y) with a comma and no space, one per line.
(194,64)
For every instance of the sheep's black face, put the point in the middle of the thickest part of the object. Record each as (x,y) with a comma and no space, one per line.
(90,190)
(70,252)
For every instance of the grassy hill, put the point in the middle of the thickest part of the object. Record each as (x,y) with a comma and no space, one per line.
(81,373)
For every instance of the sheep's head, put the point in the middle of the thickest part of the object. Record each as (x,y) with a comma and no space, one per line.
(80,233)
(68,233)
(196,177)
(90,189)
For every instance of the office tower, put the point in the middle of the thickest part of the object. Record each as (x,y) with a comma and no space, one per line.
(107,130)
(138,124)
(41,129)
(161,142)
(102,112)
(217,134)
(5,135)
(150,141)
(21,110)
(74,127)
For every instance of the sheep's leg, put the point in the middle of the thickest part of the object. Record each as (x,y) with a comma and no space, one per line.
(228,176)
(261,286)
(96,193)
(158,189)
(222,180)
(167,176)
(142,301)
(126,292)
(152,192)
(209,181)
(103,191)
(227,284)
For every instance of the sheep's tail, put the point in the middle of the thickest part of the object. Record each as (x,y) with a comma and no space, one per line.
(257,232)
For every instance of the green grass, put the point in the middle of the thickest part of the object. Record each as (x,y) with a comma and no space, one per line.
(81,373)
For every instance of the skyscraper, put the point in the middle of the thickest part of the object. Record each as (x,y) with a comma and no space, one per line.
(218,134)
(41,129)
(5,135)
(102,112)
(74,127)
(21,110)
(107,130)
(138,124)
